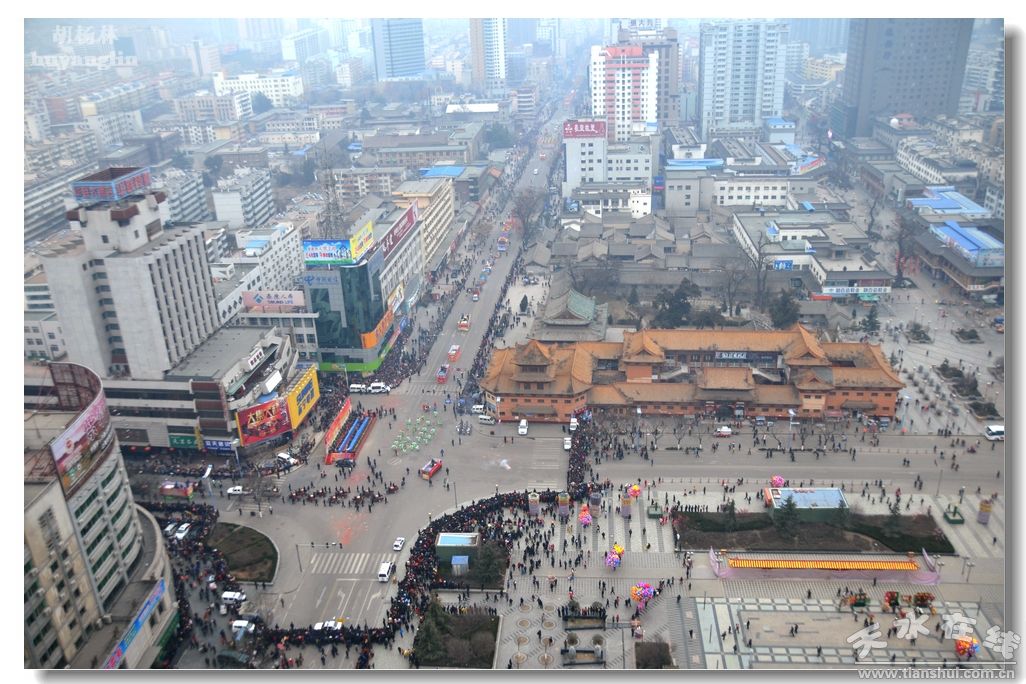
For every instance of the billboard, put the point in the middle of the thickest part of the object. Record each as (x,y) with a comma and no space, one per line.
(399,230)
(339,252)
(371,339)
(118,654)
(78,449)
(335,429)
(303,396)
(262,421)
(361,241)
(573,128)
(273,298)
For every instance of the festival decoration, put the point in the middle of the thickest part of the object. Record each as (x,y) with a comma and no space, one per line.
(967,646)
(777,482)
(613,560)
(634,490)
(642,592)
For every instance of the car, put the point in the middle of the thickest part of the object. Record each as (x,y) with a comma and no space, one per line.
(357,388)
(567,443)
(234,491)
(522,427)
(170,529)
(327,625)
(430,468)
(183,530)
(244,625)
(379,388)
(536,172)
(723,431)
(287,459)
(399,543)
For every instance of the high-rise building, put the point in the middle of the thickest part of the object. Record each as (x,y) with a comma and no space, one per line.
(206,59)
(741,75)
(488,55)
(435,200)
(913,66)
(520,31)
(302,45)
(616,25)
(664,43)
(824,36)
(244,198)
(99,590)
(131,296)
(186,196)
(624,87)
(398,48)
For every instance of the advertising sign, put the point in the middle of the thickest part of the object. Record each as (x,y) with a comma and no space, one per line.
(783,265)
(399,230)
(395,300)
(856,290)
(731,356)
(327,253)
(78,449)
(221,446)
(573,128)
(87,190)
(370,339)
(116,656)
(182,441)
(335,429)
(262,421)
(273,298)
(303,396)
(361,241)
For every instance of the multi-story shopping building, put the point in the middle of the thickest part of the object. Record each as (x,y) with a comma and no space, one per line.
(99,589)
(132,297)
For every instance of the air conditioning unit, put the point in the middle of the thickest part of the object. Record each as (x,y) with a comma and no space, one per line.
(53,554)
(107,619)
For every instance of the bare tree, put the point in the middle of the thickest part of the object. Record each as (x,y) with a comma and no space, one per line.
(873,216)
(526,204)
(759,269)
(907,231)
(733,275)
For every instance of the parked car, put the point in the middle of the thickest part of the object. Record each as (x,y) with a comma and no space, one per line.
(234,491)
(379,388)
(183,530)
(357,388)
(398,544)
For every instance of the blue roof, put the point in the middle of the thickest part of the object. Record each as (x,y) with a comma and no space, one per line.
(944,199)
(970,238)
(442,171)
(256,243)
(816,497)
(461,560)
(778,121)
(693,163)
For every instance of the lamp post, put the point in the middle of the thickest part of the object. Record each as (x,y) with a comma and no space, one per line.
(970,565)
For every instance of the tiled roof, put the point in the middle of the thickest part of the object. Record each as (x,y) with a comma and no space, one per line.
(726,378)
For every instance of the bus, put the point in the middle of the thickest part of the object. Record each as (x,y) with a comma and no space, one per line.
(995,433)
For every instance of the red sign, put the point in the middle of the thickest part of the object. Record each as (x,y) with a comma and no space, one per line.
(584,129)
(263,421)
(336,426)
(399,230)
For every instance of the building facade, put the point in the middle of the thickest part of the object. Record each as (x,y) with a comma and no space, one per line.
(205,106)
(436,209)
(624,87)
(488,55)
(281,87)
(398,48)
(244,199)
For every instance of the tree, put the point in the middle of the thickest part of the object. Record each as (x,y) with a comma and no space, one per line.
(632,298)
(733,275)
(893,523)
(784,310)
(907,231)
(786,519)
(429,643)
(489,565)
(872,216)
(308,174)
(498,137)
(673,308)
(871,323)
(180,160)
(706,318)
(523,304)
(843,515)
(758,267)
(731,513)
(525,205)
(260,103)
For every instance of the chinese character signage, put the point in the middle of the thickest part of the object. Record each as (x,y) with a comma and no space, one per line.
(327,253)
(399,230)
(303,396)
(584,129)
(78,450)
(856,290)
(273,298)
(361,241)
(731,356)
(263,421)
(370,339)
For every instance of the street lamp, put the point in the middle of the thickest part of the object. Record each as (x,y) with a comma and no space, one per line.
(970,565)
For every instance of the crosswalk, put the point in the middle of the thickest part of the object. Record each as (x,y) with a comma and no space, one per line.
(348,563)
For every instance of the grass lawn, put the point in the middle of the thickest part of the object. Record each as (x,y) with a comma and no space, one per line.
(250,555)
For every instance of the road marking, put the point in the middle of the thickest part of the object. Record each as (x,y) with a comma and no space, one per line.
(321,597)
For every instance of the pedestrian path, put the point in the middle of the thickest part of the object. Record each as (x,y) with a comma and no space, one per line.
(347,563)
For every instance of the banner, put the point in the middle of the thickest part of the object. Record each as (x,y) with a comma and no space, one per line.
(399,230)
(370,339)
(336,426)
(78,449)
(118,654)
(262,421)
(303,396)
(584,129)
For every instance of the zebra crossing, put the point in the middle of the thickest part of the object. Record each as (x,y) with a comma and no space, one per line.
(348,563)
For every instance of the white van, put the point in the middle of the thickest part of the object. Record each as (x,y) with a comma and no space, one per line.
(995,433)
(379,388)
(573,423)
(287,460)
(233,598)
(385,571)
(477,409)
(486,420)
(522,428)
(357,388)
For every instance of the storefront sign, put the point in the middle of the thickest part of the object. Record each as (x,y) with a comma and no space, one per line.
(856,290)
(273,298)
(584,129)
(371,339)
(221,446)
(78,449)
(731,356)
(182,441)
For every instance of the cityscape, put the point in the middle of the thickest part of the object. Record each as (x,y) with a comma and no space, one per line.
(734,285)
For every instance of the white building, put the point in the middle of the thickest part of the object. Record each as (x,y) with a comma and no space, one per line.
(741,75)
(111,128)
(186,196)
(205,59)
(277,250)
(624,87)
(131,296)
(590,158)
(436,208)
(244,198)
(281,87)
(488,55)
(302,45)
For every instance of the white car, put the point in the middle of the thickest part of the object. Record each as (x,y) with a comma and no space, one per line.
(327,625)
(536,172)
(399,543)
(170,529)
(234,491)
(183,530)
(379,388)
(567,443)
(724,431)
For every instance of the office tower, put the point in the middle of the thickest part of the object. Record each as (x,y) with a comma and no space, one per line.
(624,87)
(205,59)
(302,45)
(488,55)
(741,75)
(99,590)
(520,31)
(614,27)
(398,48)
(913,66)
(664,43)
(132,297)
(824,36)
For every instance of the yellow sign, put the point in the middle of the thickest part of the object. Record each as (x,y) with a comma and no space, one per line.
(303,396)
(361,241)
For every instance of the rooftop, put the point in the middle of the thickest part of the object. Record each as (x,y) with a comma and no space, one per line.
(218,353)
(810,497)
